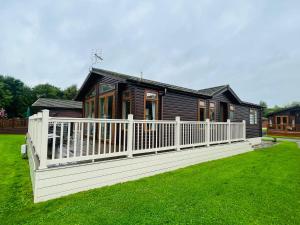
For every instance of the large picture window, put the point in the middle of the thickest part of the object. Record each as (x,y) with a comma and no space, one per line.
(202,110)
(151,103)
(212,111)
(253,116)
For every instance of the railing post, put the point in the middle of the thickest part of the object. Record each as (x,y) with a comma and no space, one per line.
(130,136)
(44,139)
(207,132)
(244,130)
(228,130)
(177,133)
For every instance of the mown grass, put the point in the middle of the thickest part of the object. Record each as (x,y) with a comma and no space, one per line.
(260,187)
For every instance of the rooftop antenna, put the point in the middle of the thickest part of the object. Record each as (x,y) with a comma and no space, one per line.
(141,75)
(96,57)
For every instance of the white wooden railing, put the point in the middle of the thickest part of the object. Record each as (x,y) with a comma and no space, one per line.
(58,140)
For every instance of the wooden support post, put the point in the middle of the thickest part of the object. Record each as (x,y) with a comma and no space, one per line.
(44,139)
(207,132)
(130,136)
(177,133)
(228,131)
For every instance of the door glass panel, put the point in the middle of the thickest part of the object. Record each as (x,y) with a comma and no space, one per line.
(109,107)
(202,114)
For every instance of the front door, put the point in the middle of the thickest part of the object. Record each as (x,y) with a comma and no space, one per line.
(223,111)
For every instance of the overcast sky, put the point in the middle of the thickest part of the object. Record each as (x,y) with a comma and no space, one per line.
(251,45)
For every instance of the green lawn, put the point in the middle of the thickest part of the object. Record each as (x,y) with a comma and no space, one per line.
(260,187)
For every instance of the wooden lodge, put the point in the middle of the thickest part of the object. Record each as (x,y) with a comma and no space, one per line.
(285,122)
(111,95)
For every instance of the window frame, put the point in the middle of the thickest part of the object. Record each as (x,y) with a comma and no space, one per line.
(231,110)
(202,107)
(255,118)
(156,100)
(215,111)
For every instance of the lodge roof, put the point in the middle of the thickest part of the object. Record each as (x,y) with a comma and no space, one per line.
(57,103)
(207,92)
(296,107)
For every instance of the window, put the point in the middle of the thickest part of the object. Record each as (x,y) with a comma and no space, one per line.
(91,93)
(253,116)
(126,106)
(231,111)
(202,110)
(89,109)
(151,101)
(86,109)
(105,88)
(270,122)
(212,111)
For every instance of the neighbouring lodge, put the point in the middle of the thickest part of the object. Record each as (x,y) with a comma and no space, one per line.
(285,122)
(58,107)
(111,95)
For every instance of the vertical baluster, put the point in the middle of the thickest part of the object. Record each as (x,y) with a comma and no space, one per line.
(105,131)
(61,139)
(99,138)
(153,128)
(54,140)
(115,136)
(156,135)
(94,137)
(124,136)
(133,134)
(163,134)
(190,134)
(120,136)
(81,137)
(138,136)
(159,140)
(68,140)
(88,139)
(146,135)
(110,137)
(142,138)
(75,139)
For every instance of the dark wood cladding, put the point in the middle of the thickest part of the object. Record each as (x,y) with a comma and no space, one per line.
(240,113)
(175,104)
(65,113)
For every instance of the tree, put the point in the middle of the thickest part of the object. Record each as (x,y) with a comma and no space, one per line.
(47,91)
(265,108)
(70,92)
(15,95)
(5,95)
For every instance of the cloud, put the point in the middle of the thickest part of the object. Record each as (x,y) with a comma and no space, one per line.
(251,45)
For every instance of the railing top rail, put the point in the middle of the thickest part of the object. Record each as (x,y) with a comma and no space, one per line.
(68,119)
(192,122)
(155,121)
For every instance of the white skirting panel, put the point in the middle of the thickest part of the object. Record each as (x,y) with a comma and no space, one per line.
(61,181)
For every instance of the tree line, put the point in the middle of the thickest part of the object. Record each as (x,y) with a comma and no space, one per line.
(16,96)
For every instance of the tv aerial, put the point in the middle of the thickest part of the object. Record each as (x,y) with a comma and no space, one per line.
(96,57)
